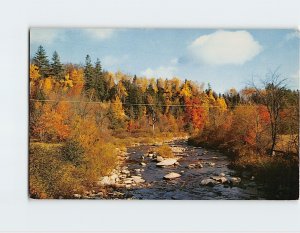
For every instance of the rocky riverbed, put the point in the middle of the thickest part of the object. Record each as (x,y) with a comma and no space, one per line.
(194,173)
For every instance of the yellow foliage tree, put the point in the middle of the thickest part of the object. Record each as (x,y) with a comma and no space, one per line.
(34,73)
(221,103)
(34,80)
(47,85)
(52,124)
(186,91)
(117,109)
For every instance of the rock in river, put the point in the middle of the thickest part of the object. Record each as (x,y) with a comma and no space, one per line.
(209,182)
(172,175)
(159,159)
(138,179)
(234,180)
(221,179)
(193,165)
(166,162)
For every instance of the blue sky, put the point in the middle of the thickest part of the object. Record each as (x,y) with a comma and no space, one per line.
(224,58)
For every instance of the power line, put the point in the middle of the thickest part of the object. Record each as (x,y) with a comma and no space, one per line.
(136,104)
(133,104)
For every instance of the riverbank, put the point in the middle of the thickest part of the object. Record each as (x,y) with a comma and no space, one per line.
(278,174)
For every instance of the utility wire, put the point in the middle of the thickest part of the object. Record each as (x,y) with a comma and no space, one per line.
(99,102)
(135,104)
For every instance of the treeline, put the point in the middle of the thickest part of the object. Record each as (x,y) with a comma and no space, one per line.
(134,102)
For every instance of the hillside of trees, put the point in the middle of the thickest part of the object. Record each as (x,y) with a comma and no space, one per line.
(82,117)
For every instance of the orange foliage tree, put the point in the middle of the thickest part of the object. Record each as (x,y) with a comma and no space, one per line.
(196,112)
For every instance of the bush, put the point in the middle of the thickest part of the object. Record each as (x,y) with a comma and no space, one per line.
(49,176)
(165,151)
(72,152)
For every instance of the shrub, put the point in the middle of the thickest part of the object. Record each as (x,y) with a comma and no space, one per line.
(72,152)
(165,151)
(49,176)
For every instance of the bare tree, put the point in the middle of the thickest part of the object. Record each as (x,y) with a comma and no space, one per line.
(272,95)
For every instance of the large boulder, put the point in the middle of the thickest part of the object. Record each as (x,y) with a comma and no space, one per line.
(221,179)
(209,181)
(234,180)
(159,159)
(166,162)
(172,175)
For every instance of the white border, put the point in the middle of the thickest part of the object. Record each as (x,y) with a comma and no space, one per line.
(17,213)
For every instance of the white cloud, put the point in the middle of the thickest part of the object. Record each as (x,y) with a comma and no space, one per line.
(224,47)
(162,71)
(44,36)
(100,34)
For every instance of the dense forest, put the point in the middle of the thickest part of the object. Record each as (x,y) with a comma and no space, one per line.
(82,117)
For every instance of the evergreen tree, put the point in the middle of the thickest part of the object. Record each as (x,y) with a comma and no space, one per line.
(41,61)
(135,97)
(56,67)
(99,83)
(98,68)
(134,80)
(88,73)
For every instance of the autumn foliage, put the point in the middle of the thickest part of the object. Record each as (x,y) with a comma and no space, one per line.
(80,113)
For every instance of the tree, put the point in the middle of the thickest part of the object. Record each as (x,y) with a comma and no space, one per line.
(41,61)
(116,114)
(99,82)
(57,70)
(196,113)
(273,97)
(88,73)
(76,75)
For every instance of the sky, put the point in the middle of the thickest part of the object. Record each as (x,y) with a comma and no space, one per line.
(225,58)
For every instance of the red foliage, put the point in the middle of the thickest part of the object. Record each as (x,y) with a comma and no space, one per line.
(195,112)
(263,114)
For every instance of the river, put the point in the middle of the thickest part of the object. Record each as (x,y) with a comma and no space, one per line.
(188,185)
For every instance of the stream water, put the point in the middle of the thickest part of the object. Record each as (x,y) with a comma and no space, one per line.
(188,186)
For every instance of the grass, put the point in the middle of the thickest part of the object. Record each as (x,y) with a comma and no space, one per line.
(164,151)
